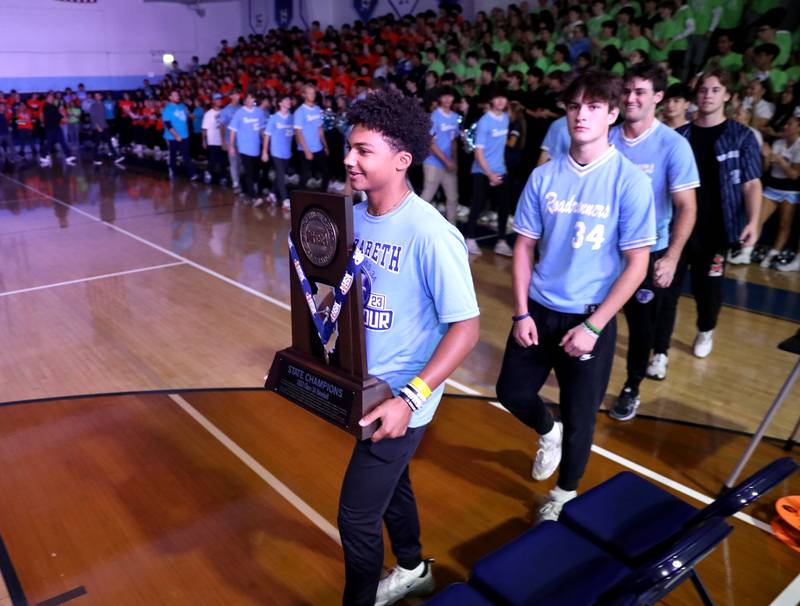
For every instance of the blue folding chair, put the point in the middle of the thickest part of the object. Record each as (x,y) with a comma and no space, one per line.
(652,581)
(459,594)
(630,517)
(549,564)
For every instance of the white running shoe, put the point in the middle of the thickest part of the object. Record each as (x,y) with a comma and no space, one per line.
(793,266)
(272,198)
(657,369)
(703,343)
(45,161)
(765,262)
(258,202)
(741,256)
(502,248)
(402,583)
(472,247)
(71,160)
(119,160)
(556,500)
(549,454)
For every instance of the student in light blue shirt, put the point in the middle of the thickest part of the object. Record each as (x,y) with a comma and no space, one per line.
(176,131)
(311,140)
(225,117)
(667,159)
(590,213)
(556,141)
(421,320)
(246,137)
(489,171)
(278,137)
(440,168)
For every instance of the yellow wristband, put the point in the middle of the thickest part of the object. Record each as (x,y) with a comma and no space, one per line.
(421,387)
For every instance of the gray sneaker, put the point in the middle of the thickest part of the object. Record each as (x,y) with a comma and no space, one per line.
(625,407)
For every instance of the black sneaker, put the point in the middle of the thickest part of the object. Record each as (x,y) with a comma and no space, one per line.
(626,405)
(759,253)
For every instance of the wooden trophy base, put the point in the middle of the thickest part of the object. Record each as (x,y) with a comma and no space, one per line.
(329,393)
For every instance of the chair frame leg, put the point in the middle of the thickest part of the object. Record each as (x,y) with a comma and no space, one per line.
(701,589)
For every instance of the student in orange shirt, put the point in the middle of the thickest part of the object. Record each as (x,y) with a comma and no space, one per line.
(24,123)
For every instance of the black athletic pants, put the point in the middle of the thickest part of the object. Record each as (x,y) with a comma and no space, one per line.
(318,162)
(53,136)
(280,165)
(481,192)
(216,162)
(180,147)
(641,314)
(582,385)
(377,488)
(705,260)
(250,167)
(103,136)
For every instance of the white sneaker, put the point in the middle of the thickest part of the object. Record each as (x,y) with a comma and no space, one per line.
(258,202)
(741,256)
(71,160)
(549,454)
(502,248)
(657,369)
(402,583)
(45,161)
(98,162)
(556,500)
(286,204)
(703,343)
(793,266)
(206,177)
(770,256)
(462,212)
(119,160)
(472,247)
(272,198)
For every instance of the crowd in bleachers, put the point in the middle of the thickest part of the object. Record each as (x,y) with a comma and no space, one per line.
(203,113)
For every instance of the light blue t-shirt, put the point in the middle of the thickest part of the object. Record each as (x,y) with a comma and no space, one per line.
(248,125)
(226,114)
(444,131)
(280,130)
(308,120)
(667,159)
(416,280)
(556,140)
(584,217)
(491,136)
(177,115)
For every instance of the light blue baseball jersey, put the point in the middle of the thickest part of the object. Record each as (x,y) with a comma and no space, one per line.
(416,281)
(177,115)
(444,131)
(584,217)
(667,159)
(556,140)
(490,136)
(248,125)
(280,130)
(308,120)
(226,114)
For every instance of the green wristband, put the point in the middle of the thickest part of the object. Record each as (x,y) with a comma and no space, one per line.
(592,327)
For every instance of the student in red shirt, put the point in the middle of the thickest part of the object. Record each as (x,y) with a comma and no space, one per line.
(24,123)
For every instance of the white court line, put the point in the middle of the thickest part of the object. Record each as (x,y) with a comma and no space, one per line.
(299,504)
(654,475)
(601,451)
(789,596)
(91,278)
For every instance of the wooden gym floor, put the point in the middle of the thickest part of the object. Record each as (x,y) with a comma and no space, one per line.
(117,282)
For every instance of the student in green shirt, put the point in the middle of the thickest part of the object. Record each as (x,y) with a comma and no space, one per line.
(624,18)
(608,36)
(763,58)
(473,68)
(560,60)
(684,18)
(768,32)
(501,44)
(663,32)
(538,56)
(611,60)
(434,64)
(731,14)
(594,24)
(726,58)
(623,4)
(517,62)
(455,65)
(636,41)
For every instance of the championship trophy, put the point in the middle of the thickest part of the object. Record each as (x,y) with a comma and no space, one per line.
(325,369)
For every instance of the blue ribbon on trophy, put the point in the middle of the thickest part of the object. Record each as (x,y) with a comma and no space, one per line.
(326,320)
(365,8)
(283,12)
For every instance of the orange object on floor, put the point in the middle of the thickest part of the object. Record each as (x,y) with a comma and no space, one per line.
(787,525)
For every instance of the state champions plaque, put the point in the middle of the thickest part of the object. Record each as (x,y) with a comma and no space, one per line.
(325,369)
